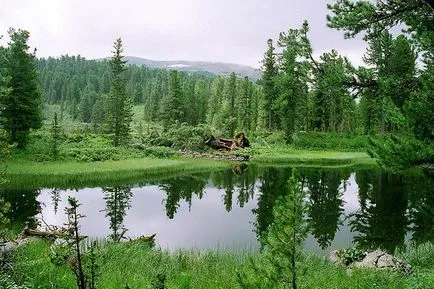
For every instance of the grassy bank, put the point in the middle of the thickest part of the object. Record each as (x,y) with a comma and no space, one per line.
(285,155)
(24,173)
(137,266)
(61,174)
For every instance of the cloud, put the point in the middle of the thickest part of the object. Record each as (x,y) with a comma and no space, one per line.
(208,30)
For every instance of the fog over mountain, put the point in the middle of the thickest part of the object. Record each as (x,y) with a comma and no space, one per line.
(206,67)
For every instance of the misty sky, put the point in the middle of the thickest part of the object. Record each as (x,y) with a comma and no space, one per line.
(209,30)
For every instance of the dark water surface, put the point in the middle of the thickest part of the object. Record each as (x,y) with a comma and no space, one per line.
(231,208)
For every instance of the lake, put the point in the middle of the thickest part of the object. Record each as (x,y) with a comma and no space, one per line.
(230,209)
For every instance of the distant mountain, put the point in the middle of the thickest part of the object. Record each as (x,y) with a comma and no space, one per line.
(205,67)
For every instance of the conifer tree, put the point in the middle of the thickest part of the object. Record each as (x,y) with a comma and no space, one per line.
(55,137)
(119,105)
(279,264)
(293,79)
(231,94)
(172,105)
(269,83)
(22,109)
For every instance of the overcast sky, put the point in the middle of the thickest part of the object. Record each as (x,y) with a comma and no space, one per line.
(210,30)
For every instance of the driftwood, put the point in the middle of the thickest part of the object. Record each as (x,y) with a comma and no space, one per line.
(216,156)
(240,141)
(36,233)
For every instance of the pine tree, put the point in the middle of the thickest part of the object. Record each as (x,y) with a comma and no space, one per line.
(22,109)
(269,83)
(293,79)
(172,105)
(55,137)
(279,265)
(119,106)
(231,94)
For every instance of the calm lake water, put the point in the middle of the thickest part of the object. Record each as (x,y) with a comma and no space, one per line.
(231,208)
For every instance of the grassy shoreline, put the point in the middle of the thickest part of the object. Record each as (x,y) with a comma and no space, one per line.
(23,174)
(133,263)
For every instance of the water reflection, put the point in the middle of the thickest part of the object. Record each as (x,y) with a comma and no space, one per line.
(381,221)
(369,208)
(117,203)
(325,205)
(24,208)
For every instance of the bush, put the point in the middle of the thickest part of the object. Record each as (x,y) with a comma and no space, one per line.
(185,137)
(330,141)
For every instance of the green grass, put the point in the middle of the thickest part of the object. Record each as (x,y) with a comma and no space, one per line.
(26,174)
(286,155)
(23,173)
(137,265)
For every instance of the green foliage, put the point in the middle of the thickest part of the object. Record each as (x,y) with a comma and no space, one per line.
(350,255)
(401,153)
(354,17)
(330,141)
(332,106)
(281,258)
(55,138)
(139,265)
(119,104)
(188,137)
(21,102)
(4,220)
(6,282)
(73,239)
(292,79)
(269,84)
(172,111)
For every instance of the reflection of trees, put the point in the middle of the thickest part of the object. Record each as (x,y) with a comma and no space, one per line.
(381,220)
(117,203)
(325,202)
(55,198)
(182,188)
(24,208)
(325,205)
(421,206)
(246,184)
(241,178)
(273,185)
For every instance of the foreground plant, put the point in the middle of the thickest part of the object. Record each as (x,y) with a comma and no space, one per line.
(70,250)
(280,263)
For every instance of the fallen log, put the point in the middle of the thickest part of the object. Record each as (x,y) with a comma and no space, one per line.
(216,156)
(240,141)
(36,233)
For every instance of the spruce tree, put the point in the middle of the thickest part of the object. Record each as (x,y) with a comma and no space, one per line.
(172,105)
(293,79)
(22,105)
(279,264)
(119,105)
(269,83)
(231,94)
(55,137)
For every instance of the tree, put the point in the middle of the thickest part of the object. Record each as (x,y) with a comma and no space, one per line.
(73,238)
(374,19)
(269,83)
(231,94)
(119,107)
(331,99)
(55,137)
(245,105)
(22,109)
(294,69)
(358,16)
(172,105)
(278,266)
